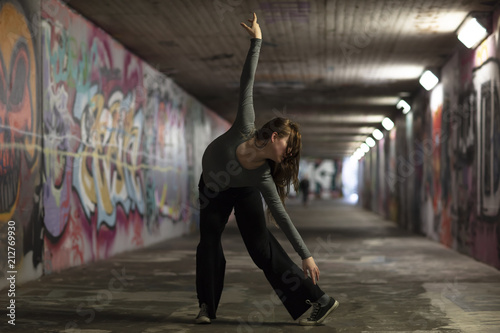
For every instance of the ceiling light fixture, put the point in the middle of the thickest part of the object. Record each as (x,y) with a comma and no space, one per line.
(402,104)
(428,80)
(358,154)
(388,124)
(377,134)
(370,142)
(473,29)
(364,147)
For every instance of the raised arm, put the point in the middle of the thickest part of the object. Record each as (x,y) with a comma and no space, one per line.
(246,113)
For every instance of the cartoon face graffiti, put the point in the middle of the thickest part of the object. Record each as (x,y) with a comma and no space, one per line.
(17,105)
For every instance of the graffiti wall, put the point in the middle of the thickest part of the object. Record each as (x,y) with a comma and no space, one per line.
(118,144)
(20,138)
(447,164)
(100,152)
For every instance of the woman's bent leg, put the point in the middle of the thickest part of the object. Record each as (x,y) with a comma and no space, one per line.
(215,209)
(286,278)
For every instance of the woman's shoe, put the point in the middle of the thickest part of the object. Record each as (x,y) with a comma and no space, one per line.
(319,313)
(203,315)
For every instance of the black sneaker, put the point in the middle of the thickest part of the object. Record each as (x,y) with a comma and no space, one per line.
(319,313)
(203,315)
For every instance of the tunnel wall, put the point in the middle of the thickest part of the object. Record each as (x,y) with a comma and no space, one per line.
(437,172)
(101,153)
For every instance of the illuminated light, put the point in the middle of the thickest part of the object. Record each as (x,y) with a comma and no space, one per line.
(395,72)
(402,104)
(354,198)
(377,134)
(364,147)
(428,80)
(358,154)
(471,32)
(388,124)
(370,142)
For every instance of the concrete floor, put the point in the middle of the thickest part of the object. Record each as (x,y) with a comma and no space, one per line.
(386,279)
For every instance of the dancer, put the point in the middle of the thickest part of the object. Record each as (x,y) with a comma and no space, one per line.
(238,167)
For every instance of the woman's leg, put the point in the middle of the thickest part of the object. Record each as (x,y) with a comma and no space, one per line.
(286,278)
(215,209)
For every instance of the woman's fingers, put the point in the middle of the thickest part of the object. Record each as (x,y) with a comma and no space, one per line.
(246,27)
(310,269)
(306,270)
(314,274)
(254,20)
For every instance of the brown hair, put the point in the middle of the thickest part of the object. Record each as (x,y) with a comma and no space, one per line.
(286,172)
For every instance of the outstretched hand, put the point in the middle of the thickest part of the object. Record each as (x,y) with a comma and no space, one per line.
(309,266)
(254,30)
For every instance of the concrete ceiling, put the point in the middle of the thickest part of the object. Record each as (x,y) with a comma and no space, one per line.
(337,67)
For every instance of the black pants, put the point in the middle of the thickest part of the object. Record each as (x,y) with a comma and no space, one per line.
(286,278)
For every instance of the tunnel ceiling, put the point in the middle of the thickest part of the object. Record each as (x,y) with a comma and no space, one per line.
(336,67)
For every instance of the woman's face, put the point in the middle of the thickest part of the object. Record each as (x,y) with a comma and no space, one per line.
(280,148)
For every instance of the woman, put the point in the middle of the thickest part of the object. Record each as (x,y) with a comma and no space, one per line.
(238,167)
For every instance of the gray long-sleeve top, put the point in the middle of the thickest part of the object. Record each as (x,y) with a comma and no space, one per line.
(221,168)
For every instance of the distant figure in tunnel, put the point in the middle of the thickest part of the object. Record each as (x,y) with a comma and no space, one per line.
(304,189)
(238,167)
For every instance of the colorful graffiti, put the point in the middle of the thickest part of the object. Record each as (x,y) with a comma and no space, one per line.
(167,109)
(447,164)
(487,84)
(93,128)
(122,143)
(20,137)
(18,101)
(108,182)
